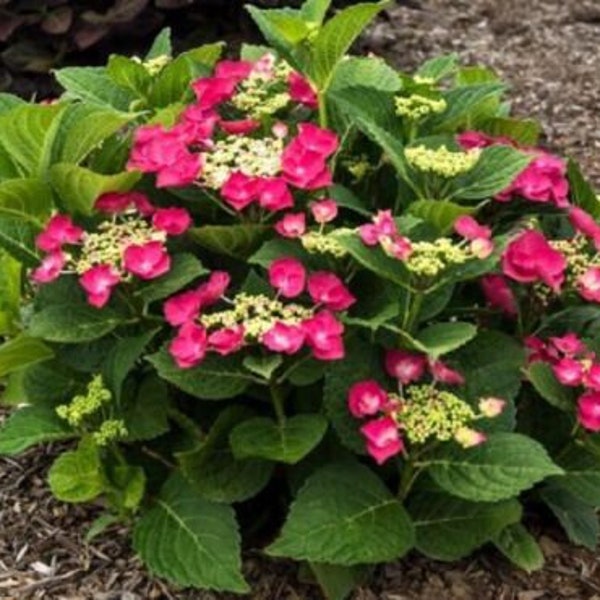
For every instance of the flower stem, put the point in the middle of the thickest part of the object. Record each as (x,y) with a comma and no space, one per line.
(277,398)
(322,109)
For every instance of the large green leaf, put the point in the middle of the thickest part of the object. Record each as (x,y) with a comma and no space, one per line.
(442,214)
(494,470)
(288,442)
(372,72)
(10,294)
(213,470)
(581,191)
(582,474)
(189,540)
(32,425)
(146,413)
(77,475)
(78,188)
(449,528)
(523,131)
(238,241)
(341,515)
(315,10)
(129,74)
(161,46)
(72,324)
(21,352)
(544,381)
(441,338)
(17,236)
(30,196)
(336,37)
(439,67)
(216,378)
(518,545)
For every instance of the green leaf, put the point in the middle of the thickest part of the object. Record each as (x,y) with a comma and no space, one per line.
(32,425)
(494,470)
(372,72)
(213,470)
(440,213)
(542,378)
(161,46)
(448,528)
(336,37)
(495,170)
(125,487)
(100,525)
(341,515)
(185,267)
(442,338)
(315,10)
(277,248)
(78,187)
(10,294)
(129,74)
(578,519)
(439,67)
(523,131)
(581,192)
(29,196)
(9,101)
(519,546)
(76,476)
(93,85)
(288,442)
(145,414)
(263,366)
(122,358)
(21,352)
(337,583)
(190,541)
(346,199)
(581,476)
(216,378)
(238,241)
(17,236)
(65,323)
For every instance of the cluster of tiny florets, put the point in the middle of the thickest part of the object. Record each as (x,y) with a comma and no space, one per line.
(429,259)
(317,243)
(85,405)
(416,106)
(441,161)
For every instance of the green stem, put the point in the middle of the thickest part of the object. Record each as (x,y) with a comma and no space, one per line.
(277,398)
(411,315)
(408,477)
(322,109)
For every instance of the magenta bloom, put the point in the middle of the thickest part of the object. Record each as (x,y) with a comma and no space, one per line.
(239,190)
(50,267)
(212,291)
(498,294)
(366,398)
(235,69)
(59,230)
(324,336)
(588,285)
(304,168)
(291,225)
(383,439)
(182,308)
(301,91)
(588,410)
(211,91)
(569,344)
(530,258)
(287,276)
(239,127)
(227,340)
(188,348)
(316,139)
(274,194)
(328,289)
(173,221)
(287,339)
(98,283)
(406,367)
(146,261)
(591,378)
(584,223)
(568,371)
(470,229)
(444,374)
(324,211)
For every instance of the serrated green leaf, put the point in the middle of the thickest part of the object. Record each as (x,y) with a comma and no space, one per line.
(263,366)
(442,214)
(17,236)
(216,378)
(449,528)
(76,476)
(146,414)
(581,191)
(161,46)
(185,267)
(21,352)
(347,199)
(494,470)
(523,131)
(441,338)
(65,323)
(439,67)
(372,72)
(32,425)
(29,198)
(582,474)
(287,442)
(125,487)
(336,582)
(542,378)
(78,187)
(129,74)
(189,540)
(238,241)
(519,546)
(277,248)
(340,516)
(315,10)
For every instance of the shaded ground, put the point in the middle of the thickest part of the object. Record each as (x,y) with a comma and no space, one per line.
(547,50)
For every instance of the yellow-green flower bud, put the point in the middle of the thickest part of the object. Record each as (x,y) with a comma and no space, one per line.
(441,161)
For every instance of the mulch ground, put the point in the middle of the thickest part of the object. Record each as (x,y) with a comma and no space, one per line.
(547,51)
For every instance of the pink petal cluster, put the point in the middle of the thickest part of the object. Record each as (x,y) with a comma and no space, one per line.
(50,268)
(291,225)
(287,276)
(383,231)
(98,283)
(324,211)
(146,261)
(113,203)
(529,258)
(479,235)
(189,347)
(383,439)
(59,231)
(301,90)
(409,367)
(498,293)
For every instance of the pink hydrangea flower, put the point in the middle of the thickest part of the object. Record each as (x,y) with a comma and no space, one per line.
(212,290)
(591,378)
(469,438)
(324,211)
(212,91)
(291,225)
(301,91)
(588,284)
(498,294)
(239,190)
(569,344)
(196,124)
(287,339)
(287,276)
(383,225)
(383,439)
(173,220)
(404,366)
(182,172)
(146,261)
(491,407)
(59,230)
(189,347)
(98,283)
(234,69)
(239,127)
(366,398)
(537,350)
(479,235)
(324,336)
(227,340)
(530,258)
(469,140)
(113,202)
(588,410)
(50,267)
(585,224)
(304,168)
(182,308)
(274,194)
(316,139)
(397,246)
(568,371)
(444,374)
(328,289)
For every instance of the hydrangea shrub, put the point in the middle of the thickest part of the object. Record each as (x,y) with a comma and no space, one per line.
(303,300)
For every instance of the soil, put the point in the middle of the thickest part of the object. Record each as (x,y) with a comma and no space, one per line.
(546,49)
